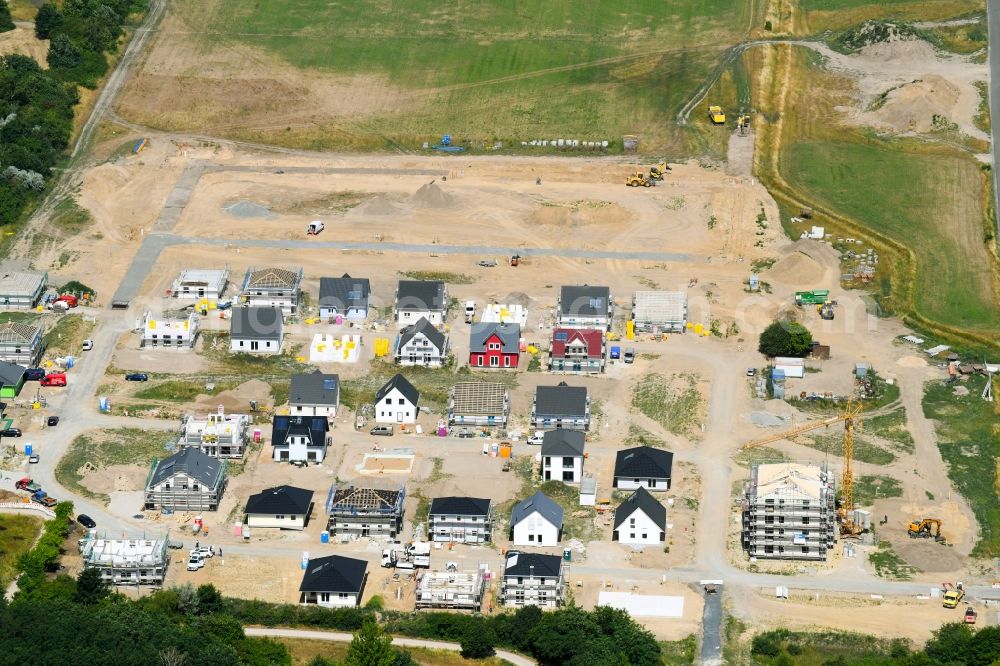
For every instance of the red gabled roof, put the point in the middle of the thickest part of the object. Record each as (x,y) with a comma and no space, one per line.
(593,338)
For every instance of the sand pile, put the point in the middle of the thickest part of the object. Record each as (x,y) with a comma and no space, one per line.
(912,107)
(431,196)
(912,362)
(903,51)
(248,210)
(23,42)
(237,400)
(376,206)
(106,179)
(797,268)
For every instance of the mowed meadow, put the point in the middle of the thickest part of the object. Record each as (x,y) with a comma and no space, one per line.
(390,74)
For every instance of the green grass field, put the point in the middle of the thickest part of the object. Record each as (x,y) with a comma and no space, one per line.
(929,202)
(102,448)
(481,71)
(17,534)
(969,440)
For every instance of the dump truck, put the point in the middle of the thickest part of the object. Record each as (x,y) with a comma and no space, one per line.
(27,485)
(812,297)
(716,115)
(952,596)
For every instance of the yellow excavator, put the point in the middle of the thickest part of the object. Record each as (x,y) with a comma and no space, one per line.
(921,529)
(639,179)
(658,171)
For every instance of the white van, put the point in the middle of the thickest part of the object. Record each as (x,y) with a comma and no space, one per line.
(314,228)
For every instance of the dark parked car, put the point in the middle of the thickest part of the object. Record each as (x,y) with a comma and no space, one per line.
(52,421)
(34,374)
(10,432)
(86,521)
(137,377)
(384,430)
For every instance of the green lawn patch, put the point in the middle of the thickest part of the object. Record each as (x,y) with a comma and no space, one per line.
(890,565)
(179,390)
(103,448)
(869,488)
(673,402)
(641,437)
(216,349)
(969,440)
(678,653)
(759,454)
(443,276)
(70,217)
(928,201)
(434,384)
(67,336)
(17,534)
(865,450)
(890,426)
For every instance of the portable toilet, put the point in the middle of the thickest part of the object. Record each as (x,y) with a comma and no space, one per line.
(28,449)
(324,537)
(567,554)
(305,559)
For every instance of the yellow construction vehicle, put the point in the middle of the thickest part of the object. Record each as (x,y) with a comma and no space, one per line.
(825,310)
(921,529)
(851,418)
(658,171)
(638,179)
(716,115)
(952,596)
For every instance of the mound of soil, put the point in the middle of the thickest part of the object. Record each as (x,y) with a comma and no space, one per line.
(376,207)
(22,41)
(797,268)
(431,196)
(913,107)
(238,399)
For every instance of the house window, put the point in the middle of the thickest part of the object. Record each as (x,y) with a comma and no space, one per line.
(494,361)
(279,517)
(506,361)
(388,401)
(631,522)
(324,597)
(805,520)
(531,537)
(494,346)
(402,401)
(631,535)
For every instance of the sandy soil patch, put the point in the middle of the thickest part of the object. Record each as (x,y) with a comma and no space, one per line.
(925,554)
(115,478)
(23,42)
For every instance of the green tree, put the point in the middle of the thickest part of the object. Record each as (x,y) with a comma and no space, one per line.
(90,587)
(47,21)
(371,647)
(6,22)
(783,338)
(949,643)
(209,599)
(478,642)
(63,53)
(984,648)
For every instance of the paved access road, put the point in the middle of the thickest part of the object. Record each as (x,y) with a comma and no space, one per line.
(340,637)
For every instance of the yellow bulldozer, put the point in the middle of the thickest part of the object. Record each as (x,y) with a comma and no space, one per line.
(658,171)
(921,529)
(716,115)
(639,179)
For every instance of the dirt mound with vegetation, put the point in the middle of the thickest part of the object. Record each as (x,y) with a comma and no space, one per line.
(920,106)
(876,32)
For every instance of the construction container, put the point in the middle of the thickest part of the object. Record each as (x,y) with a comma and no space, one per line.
(505,450)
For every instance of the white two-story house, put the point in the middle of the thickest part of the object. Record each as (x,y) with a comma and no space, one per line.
(421,344)
(562,456)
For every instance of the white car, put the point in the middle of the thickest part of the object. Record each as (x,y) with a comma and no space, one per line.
(195,562)
(202,552)
(88,345)
(537,438)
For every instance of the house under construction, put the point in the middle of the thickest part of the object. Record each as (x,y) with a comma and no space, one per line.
(365,511)
(450,589)
(141,561)
(789,512)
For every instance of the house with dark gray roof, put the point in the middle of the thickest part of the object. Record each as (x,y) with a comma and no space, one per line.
(460,520)
(421,344)
(640,520)
(561,406)
(533,579)
(421,298)
(397,402)
(643,467)
(189,480)
(584,306)
(536,521)
(281,507)
(314,394)
(21,343)
(272,287)
(299,438)
(21,290)
(333,581)
(494,345)
(256,330)
(562,456)
(11,379)
(346,297)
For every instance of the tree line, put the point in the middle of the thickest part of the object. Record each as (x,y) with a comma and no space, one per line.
(36,105)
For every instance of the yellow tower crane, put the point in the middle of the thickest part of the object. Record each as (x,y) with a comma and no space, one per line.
(851,418)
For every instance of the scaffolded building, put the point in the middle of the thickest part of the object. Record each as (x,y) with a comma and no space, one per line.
(789,512)
(136,562)
(479,404)
(219,435)
(365,511)
(450,589)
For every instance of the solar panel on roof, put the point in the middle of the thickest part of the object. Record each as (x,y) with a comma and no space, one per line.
(562,336)
(328,385)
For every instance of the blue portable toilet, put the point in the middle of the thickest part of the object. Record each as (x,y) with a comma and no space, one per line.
(27,449)
(324,537)
(70,362)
